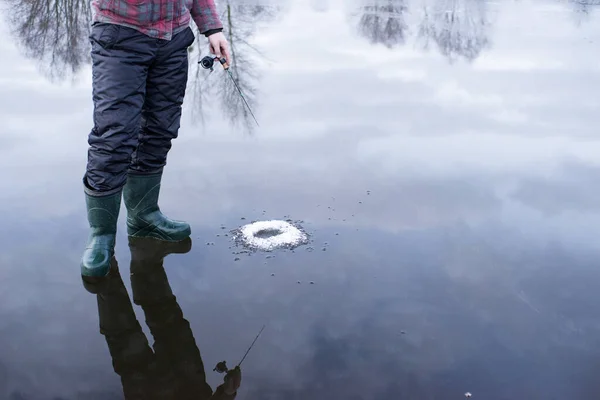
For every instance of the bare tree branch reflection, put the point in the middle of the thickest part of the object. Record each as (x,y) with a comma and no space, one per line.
(583,9)
(55,32)
(459,28)
(239,24)
(382,22)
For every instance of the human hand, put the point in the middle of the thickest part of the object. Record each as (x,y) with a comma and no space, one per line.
(233,379)
(219,46)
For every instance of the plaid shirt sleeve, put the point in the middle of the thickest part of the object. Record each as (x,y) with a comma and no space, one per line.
(204,13)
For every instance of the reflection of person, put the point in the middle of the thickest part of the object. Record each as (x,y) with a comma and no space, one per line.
(174,370)
(139,70)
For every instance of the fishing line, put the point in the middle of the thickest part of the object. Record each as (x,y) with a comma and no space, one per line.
(208,63)
(221,367)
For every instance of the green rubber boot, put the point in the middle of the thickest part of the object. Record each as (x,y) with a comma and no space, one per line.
(103,212)
(144,218)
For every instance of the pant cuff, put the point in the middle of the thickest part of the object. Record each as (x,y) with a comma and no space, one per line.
(157,171)
(94,193)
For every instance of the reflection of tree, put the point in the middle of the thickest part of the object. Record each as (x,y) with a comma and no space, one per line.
(54,32)
(583,9)
(382,22)
(239,24)
(457,27)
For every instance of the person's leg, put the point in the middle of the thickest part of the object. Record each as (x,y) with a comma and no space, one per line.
(161,115)
(120,61)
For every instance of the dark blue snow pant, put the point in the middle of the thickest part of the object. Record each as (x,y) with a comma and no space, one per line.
(138,89)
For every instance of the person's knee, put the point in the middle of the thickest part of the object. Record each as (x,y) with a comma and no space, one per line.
(109,157)
(162,125)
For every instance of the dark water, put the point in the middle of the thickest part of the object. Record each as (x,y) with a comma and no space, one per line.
(443,156)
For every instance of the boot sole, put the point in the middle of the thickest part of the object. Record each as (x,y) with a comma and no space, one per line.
(155,233)
(96,284)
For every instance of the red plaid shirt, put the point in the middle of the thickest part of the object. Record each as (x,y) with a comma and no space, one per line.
(158,18)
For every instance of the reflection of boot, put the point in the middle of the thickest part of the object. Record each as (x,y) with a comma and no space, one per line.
(132,357)
(103,212)
(174,343)
(148,252)
(144,218)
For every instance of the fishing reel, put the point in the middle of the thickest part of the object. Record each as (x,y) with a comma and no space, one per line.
(221,367)
(208,62)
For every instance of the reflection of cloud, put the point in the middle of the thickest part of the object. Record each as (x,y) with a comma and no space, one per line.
(574,189)
(457,27)
(320,5)
(55,32)
(328,186)
(382,22)
(456,332)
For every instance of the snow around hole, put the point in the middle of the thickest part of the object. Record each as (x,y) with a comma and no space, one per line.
(281,234)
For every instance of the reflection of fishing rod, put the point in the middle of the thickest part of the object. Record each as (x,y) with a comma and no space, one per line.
(222,366)
(208,63)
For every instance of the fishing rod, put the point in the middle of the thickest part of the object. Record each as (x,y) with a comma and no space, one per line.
(208,63)
(221,367)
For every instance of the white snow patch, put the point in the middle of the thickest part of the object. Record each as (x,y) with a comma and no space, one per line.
(288,235)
